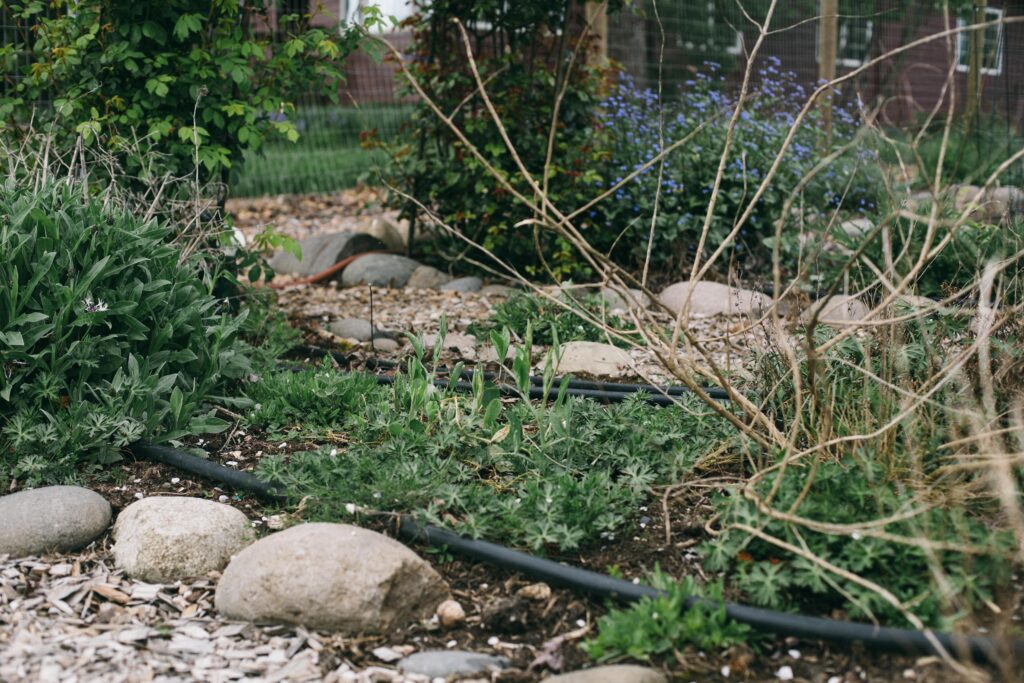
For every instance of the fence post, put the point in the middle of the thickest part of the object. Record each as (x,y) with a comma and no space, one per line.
(597,19)
(828,47)
(976,58)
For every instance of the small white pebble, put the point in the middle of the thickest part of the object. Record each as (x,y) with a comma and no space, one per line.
(784,673)
(232,463)
(636,581)
(284,444)
(726,671)
(175,480)
(909,673)
(350,508)
(334,452)
(835,679)
(223,498)
(580,623)
(451,643)
(137,481)
(855,535)
(140,495)
(795,654)
(493,641)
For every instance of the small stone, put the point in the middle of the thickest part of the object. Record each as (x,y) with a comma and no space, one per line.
(857,227)
(447,663)
(383,344)
(450,613)
(352,328)
(51,519)
(334,577)
(595,359)
(386,655)
(464,344)
(427,277)
(380,270)
(785,673)
(164,539)
(498,290)
(618,673)
(619,303)
(538,592)
(464,284)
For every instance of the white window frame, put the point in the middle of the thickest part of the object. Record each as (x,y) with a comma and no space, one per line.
(963,42)
(844,36)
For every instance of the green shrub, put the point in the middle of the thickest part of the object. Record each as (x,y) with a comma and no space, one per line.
(629,131)
(662,625)
(436,168)
(106,337)
(562,474)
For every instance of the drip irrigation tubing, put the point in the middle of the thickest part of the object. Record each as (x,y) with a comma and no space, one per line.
(600,391)
(596,585)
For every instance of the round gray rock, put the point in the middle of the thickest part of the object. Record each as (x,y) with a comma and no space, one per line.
(334,577)
(352,328)
(619,673)
(464,284)
(380,270)
(713,298)
(618,301)
(427,277)
(320,252)
(167,538)
(840,308)
(445,663)
(51,519)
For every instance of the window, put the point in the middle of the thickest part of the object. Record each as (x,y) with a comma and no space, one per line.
(854,41)
(992,45)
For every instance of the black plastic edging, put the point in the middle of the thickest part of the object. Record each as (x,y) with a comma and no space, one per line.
(879,638)
(607,392)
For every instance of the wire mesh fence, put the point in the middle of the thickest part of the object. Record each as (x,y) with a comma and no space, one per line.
(669,42)
(672,41)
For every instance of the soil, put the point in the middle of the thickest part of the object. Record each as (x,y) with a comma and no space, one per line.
(539,634)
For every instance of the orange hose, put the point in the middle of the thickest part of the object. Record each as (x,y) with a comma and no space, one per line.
(326,273)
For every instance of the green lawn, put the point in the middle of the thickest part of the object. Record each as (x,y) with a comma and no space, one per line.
(328,155)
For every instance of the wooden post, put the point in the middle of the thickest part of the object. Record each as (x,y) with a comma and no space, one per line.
(828,47)
(597,19)
(976,59)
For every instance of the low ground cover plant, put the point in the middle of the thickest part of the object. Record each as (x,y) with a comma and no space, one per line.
(663,625)
(549,321)
(559,475)
(106,335)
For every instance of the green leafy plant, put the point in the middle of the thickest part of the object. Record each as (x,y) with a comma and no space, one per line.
(560,474)
(198,84)
(105,336)
(549,321)
(686,614)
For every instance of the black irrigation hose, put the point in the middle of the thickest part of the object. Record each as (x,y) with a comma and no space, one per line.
(600,391)
(879,638)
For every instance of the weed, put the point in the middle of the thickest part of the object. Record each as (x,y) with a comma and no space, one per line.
(656,626)
(315,399)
